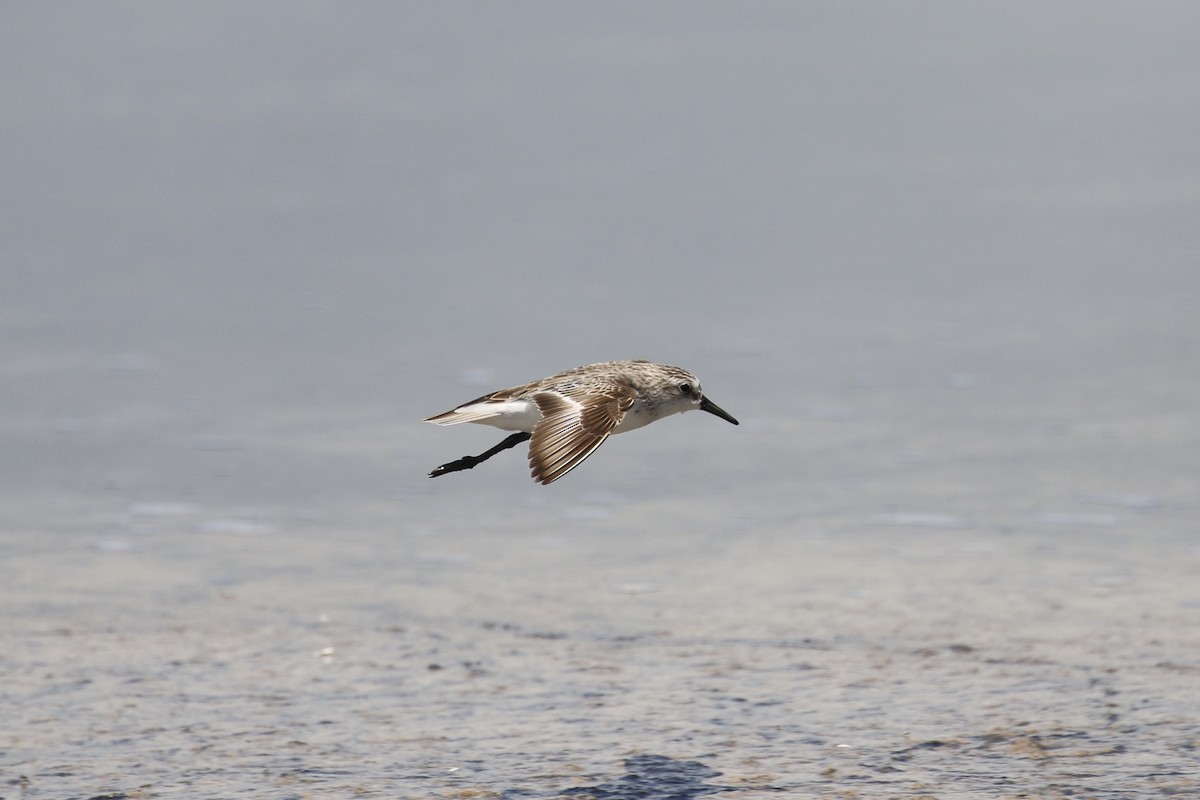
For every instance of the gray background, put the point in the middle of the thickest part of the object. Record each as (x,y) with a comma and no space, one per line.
(941,259)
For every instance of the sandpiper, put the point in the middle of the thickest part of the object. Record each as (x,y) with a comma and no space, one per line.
(567,416)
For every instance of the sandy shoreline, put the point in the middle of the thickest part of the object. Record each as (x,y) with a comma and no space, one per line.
(892,662)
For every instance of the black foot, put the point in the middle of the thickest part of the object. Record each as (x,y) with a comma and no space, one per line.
(466,462)
(469,462)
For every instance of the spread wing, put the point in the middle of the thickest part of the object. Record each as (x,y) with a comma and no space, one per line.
(573,425)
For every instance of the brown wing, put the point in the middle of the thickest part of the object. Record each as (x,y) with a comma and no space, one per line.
(573,425)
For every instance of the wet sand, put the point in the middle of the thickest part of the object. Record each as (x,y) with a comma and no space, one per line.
(901,657)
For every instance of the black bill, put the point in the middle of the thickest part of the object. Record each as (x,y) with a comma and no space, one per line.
(713,408)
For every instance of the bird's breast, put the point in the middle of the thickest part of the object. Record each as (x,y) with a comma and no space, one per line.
(638,416)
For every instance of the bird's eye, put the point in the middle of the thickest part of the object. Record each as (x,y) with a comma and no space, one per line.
(686,388)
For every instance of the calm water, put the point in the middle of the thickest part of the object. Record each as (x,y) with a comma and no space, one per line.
(940,260)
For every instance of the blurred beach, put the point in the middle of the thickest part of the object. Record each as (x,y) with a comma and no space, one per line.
(942,261)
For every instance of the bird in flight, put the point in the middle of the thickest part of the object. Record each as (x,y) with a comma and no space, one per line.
(565,417)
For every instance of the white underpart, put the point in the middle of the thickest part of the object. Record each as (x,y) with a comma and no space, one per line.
(635,418)
(511,415)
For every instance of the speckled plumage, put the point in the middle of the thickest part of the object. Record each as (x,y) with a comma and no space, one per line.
(567,416)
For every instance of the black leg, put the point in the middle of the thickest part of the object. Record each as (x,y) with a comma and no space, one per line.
(467,462)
